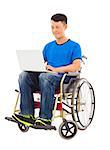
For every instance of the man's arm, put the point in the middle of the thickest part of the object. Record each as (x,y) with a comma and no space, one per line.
(75,66)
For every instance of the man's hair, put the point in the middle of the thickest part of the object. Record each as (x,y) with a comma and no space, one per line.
(59,17)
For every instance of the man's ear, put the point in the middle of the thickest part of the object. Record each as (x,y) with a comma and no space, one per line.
(65,26)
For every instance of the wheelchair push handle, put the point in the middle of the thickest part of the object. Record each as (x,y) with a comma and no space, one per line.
(83,58)
(16,90)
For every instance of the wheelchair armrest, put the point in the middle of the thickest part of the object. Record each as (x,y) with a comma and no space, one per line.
(77,73)
(69,74)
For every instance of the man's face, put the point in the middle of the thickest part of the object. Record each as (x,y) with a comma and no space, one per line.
(58,29)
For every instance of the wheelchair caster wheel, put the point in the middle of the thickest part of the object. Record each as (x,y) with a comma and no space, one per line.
(23,127)
(68,129)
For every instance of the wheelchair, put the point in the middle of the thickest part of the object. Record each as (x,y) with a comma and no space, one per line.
(75,99)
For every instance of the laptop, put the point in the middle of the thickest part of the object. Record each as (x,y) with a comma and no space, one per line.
(31,60)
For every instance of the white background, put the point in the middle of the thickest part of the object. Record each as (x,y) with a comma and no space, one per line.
(25,24)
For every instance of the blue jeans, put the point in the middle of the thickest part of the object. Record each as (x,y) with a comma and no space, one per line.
(46,83)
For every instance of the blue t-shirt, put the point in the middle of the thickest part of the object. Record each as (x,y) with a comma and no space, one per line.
(58,55)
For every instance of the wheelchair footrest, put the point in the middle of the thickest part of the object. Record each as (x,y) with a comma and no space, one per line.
(10,119)
(47,127)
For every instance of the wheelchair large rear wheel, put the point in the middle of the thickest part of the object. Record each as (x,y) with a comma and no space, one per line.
(83,101)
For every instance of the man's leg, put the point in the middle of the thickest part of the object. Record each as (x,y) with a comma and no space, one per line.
(28,83)
(48,82)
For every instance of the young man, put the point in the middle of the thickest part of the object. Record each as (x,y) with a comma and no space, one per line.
(62,55)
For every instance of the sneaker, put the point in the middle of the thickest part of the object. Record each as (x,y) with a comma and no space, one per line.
(25,119)
(42,122)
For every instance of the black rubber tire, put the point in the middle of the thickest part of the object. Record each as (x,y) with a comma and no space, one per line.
(74,102)
(65,127)
(23,127)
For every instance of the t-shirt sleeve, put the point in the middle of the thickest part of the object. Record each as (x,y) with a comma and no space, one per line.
(44,52)
(77,54)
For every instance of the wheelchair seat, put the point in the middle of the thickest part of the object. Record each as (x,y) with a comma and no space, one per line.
(69,78)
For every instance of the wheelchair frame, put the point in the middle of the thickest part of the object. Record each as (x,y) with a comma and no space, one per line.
(72,100)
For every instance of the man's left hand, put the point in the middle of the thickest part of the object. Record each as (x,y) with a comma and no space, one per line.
(50,68)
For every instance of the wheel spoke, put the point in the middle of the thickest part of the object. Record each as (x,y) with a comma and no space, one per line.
(71,132)
(71,127)
(66,133)
(64,129)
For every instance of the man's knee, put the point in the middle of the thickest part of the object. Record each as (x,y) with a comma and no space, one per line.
(42,76)
(46,78)
(23,76)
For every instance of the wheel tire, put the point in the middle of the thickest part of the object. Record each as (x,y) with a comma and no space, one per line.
(75,110)
(23,127)
(68,129)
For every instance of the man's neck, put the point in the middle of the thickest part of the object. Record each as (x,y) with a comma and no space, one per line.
(62,40)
